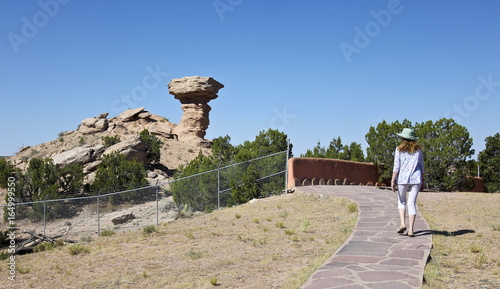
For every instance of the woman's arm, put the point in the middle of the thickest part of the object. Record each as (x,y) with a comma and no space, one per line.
(393,181)
(395,171)
(422,170)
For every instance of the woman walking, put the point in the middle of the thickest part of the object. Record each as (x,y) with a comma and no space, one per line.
(408,176)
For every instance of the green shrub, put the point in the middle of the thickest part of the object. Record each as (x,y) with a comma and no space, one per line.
(4,255)
(22,270)
(4,238)
(116,173)
(153,145)
(194,255)
(43,247)
(107,233)
(149,229)
(243,180)
(76,249)
(304,225)
(110,140)
(59,243)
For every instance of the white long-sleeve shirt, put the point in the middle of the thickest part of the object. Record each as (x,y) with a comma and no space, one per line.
(410,167)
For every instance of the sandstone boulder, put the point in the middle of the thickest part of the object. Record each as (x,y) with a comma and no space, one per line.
(79,155)
(132,148)
(89,179)
(91,167)
(130,114)
(93,125)
(161,129)
(144,114)
(123,219)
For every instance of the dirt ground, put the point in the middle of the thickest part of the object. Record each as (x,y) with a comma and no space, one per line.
(275,242)
(466,240)
(85,223)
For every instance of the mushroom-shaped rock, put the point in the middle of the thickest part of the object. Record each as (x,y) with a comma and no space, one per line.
(194,93)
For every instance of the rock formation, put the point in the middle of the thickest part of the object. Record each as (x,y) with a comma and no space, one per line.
(132,148)
(130,114)
(94,124)
(79,155)
(194,93)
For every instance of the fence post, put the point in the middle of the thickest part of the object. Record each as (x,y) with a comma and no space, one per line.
(286,164)
(98,219)
(44,222)
(218,185)
(156,190)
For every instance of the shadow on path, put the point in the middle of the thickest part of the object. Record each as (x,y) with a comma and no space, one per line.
(444,233)
(452,233)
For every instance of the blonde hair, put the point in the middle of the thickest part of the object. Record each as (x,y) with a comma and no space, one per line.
(409,146)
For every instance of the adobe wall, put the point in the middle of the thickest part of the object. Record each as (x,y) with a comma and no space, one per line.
(478,185)
(318,171)
(315,169)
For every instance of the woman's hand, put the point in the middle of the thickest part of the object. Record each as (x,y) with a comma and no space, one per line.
(393,186)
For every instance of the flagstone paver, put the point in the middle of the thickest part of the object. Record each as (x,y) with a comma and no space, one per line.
(374,256)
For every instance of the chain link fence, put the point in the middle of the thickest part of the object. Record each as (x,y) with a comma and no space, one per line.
(135,208)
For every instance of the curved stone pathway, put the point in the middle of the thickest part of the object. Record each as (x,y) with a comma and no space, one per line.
(374,256)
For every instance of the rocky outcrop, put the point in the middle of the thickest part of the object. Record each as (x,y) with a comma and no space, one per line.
(94,124)
(131,114)
(132,148)
(25,148)
(194,93)
(79,155)
(161,129)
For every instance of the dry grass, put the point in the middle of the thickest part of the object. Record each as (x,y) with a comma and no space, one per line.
(218,248)
(466,245)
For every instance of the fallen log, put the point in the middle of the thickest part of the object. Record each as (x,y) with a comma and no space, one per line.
(29,245)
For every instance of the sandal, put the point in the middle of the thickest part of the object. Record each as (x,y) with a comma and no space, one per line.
(411,234)
(401,230)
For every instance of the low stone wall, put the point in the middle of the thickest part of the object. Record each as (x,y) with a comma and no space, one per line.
(317,171)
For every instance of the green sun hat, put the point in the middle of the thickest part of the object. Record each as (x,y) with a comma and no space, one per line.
(408,133)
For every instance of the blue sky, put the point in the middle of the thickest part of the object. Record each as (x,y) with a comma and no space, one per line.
(315,70)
